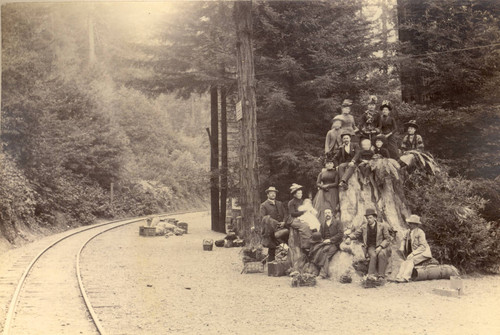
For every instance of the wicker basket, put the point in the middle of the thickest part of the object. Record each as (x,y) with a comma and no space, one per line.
(208,245)
(253,267)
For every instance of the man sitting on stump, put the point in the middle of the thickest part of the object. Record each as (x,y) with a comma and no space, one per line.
(331,233)
(376,244)
(273,215)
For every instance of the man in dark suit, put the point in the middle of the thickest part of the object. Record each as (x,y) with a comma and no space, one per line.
(273,214)
(332,234)
(376,243)
(345,154)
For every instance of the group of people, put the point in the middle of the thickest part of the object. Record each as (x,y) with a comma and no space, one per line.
(377,136)
(318,223)
(320,239)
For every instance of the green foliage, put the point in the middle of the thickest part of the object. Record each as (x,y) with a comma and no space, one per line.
(449,25)
(466,137)
(17,199)
(451,217)
(72,132)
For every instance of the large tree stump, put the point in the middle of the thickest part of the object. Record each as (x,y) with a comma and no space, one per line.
(388,200)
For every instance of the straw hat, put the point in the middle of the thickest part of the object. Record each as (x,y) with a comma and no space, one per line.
(272,189)
(346,103)
(414,219)
(295,187)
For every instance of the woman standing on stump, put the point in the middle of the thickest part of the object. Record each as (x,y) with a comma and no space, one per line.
(388,127)
(328,193)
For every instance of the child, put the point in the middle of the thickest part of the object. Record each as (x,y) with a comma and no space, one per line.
(380,151)
(362,159)
(412,141)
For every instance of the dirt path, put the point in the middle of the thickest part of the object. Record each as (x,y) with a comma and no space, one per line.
(157,285)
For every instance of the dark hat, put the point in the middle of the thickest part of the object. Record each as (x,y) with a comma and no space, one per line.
(316,237)
(295,187)
(411,123)
(346,132)
(346,103)
(381,137)
(370,211)
(386,103)
(272,189)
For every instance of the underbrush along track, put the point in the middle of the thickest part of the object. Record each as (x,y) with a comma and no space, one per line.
(48,275)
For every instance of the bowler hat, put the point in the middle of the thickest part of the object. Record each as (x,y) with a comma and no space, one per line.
(346,103)
(272,189)
(370,211)
(316,237)
(346,132)
(295,187)
(386,103)
(414,219)
(411,123)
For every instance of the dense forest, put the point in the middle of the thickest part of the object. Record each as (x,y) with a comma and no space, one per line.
(71,131)
(95,95)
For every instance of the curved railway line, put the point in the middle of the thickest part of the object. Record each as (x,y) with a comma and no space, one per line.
(53,278)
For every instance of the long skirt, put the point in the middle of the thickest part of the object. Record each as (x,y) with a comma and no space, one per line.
(324,200)
(392,147)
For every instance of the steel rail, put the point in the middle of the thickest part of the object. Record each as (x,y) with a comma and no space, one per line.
(15,298)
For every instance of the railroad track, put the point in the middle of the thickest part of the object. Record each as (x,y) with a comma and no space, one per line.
(50,297)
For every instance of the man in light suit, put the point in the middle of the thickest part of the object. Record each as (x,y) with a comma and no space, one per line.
(414,248)
(376,243)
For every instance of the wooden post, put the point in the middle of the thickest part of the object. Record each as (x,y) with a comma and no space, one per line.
(249,169)
(111,196)
(214,158)
(224,162)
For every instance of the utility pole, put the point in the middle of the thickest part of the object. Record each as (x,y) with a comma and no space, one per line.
(249,169)
(213,135)
(224,162)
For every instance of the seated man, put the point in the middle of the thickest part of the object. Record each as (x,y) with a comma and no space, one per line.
(376,244)
(345,154)
(362,160)
(331,234)
(414,248)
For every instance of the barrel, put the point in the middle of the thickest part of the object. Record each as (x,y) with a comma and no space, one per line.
(431,272)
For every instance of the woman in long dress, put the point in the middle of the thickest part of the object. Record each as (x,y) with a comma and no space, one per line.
(328,192)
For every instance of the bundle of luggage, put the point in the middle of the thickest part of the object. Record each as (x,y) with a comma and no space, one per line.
(231,240)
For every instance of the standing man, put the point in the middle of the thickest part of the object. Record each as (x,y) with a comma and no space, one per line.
(273,214)
(332,234)
(376,244)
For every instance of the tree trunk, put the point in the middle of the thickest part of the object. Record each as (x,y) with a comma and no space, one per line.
(224,162)
(214,158)
(249,170)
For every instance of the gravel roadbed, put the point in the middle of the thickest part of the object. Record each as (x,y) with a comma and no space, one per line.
(157,285)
